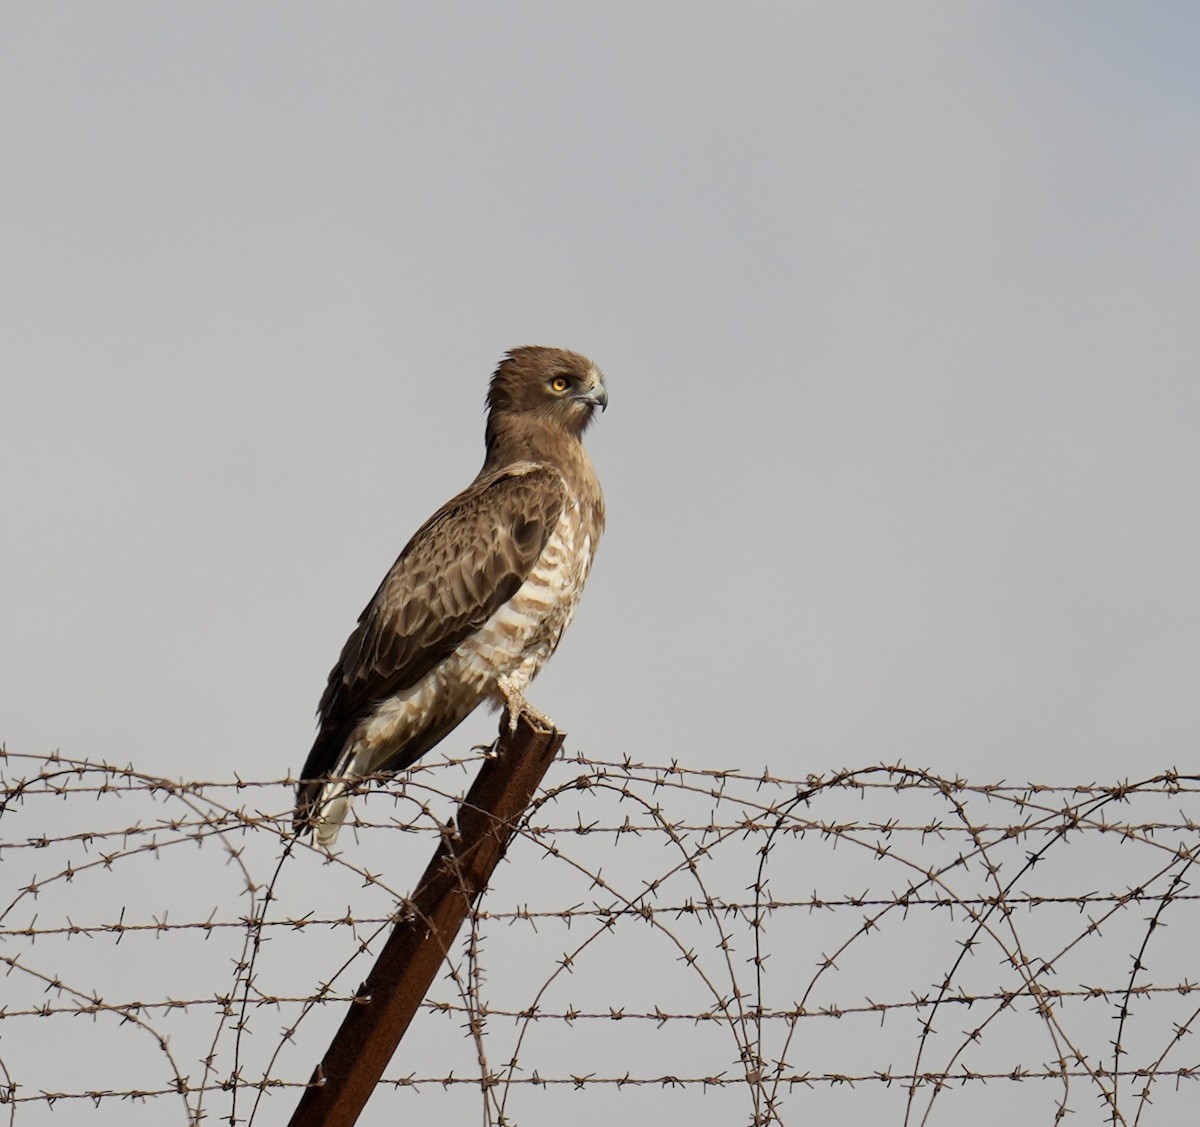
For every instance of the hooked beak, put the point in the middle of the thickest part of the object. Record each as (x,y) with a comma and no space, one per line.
(596,396)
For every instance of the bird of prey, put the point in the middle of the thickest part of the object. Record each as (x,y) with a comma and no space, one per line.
(480,596)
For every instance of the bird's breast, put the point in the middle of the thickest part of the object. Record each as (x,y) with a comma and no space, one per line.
(523,633)
(513,643)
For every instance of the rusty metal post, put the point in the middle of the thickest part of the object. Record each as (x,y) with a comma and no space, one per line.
(460,870)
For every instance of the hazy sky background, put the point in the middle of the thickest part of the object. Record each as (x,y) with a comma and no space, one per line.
(897,306)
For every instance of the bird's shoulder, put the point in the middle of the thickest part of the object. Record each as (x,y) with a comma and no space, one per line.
(505,494)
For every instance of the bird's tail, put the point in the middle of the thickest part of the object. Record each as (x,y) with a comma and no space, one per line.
(321,806)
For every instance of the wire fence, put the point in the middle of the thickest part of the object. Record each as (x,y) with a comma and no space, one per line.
(874,945)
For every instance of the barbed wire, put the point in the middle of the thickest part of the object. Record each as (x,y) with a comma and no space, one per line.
(879,943)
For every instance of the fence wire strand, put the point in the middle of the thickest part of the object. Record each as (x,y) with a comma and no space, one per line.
(879,944)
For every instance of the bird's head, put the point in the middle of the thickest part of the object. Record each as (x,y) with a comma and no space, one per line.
(547,387)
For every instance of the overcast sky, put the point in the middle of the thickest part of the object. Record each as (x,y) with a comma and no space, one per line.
(897,309)
(897,306)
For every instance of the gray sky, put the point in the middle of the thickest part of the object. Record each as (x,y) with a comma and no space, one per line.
(897,307)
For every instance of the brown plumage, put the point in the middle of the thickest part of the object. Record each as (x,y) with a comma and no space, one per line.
(480,596)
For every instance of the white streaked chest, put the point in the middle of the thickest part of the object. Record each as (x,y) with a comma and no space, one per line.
(523,633)
(513,643)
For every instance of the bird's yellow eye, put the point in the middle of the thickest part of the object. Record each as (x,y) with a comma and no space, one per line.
(560,383)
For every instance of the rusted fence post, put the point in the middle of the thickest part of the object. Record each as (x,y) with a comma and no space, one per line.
(407,965)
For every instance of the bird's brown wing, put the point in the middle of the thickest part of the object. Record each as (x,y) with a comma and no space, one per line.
(459,568)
